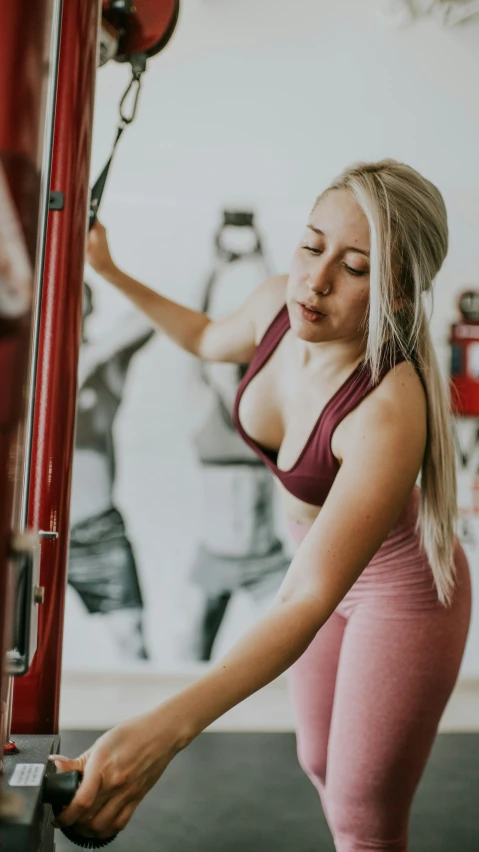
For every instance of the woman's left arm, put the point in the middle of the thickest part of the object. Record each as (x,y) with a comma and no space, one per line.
(378,472)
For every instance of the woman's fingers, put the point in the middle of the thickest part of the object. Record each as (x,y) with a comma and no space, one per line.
(89,798)
(113,816)
(97,250)
(98,229)
(68,764)
(124,816)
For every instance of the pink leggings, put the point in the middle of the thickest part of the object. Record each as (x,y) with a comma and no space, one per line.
(369,692)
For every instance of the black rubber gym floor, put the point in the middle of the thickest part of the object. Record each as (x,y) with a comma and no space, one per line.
(245,792)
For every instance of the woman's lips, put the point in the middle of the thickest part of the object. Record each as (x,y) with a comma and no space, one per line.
(310,313)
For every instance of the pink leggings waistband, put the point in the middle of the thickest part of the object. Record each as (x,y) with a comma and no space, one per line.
(399,577)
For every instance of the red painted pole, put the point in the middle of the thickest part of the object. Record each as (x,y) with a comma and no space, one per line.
(36,695)
(24,32)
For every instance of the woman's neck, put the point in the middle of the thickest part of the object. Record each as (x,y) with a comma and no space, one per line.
(332,357)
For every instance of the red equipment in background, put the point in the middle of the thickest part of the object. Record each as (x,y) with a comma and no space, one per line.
(464,340)
(24,47)
(144,29)
(24,35)
(43,226)
(36,695)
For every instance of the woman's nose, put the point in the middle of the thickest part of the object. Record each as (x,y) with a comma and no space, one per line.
(319,279)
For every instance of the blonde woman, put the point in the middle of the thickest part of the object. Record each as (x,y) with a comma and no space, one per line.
(343,400)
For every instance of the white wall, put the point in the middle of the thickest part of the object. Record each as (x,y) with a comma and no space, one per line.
(261,103)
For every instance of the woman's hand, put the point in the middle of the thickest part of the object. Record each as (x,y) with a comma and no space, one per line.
(97,250)
(118,770)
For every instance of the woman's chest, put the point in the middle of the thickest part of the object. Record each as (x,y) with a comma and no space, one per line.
(282,405)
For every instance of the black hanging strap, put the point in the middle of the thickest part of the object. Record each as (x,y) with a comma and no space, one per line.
(99,185)
(138,65)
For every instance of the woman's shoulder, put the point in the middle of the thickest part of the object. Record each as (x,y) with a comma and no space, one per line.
(401,386)
(399,397)
(271,298)
(397,406)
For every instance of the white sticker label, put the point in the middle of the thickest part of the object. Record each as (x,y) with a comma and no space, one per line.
(27,775)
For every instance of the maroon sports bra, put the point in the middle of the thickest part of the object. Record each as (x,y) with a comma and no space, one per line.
(311,477)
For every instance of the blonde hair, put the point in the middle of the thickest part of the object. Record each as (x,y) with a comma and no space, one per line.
(409,240)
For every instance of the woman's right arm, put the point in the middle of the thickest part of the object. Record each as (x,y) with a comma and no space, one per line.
(232,339)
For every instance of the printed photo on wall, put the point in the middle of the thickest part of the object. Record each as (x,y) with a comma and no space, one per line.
(102,567)
(238,548)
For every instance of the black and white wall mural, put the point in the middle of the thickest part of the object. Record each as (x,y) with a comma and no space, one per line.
(237,547)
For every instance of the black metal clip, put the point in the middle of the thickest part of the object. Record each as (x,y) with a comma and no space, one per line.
(56,201)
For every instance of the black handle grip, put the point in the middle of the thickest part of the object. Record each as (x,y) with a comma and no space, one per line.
(58,791)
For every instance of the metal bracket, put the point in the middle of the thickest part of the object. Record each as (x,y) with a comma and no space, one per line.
(25,556)
(57,201)
(48,535)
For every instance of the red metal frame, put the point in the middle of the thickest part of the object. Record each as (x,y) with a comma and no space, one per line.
(36,695)
(24,27)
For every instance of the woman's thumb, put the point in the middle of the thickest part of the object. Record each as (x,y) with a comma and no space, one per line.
(67,764)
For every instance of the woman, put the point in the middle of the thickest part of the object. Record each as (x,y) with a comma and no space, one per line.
(344,401)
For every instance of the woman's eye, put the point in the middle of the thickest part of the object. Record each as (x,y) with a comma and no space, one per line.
(312,250)
(357,272)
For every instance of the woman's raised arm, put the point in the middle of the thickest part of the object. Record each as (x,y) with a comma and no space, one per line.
(231,339)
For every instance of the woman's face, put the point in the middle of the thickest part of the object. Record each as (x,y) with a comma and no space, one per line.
(330,272)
